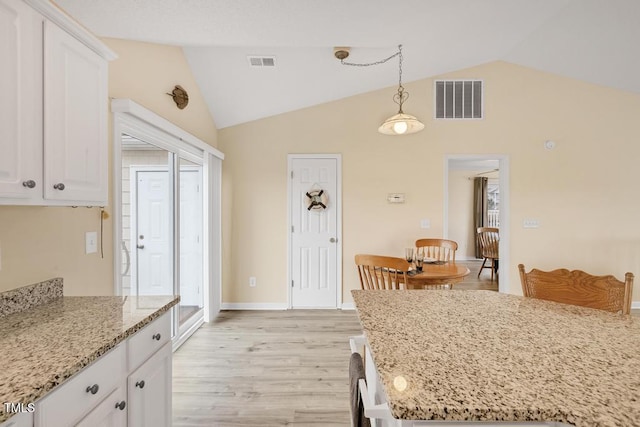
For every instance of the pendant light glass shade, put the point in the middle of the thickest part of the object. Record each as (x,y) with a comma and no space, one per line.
(401,124)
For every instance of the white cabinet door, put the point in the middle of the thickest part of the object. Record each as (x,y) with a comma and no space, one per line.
(20,101)
(112,412)
(149,391)
(75,115)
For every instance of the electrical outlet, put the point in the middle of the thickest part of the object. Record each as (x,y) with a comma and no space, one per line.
(252,281)
(91,242)
(425,223)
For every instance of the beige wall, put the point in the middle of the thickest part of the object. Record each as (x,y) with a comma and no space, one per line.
(38,243)
(583,192)
(146,72)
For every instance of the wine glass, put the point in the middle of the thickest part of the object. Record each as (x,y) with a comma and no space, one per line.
(408,255)
(418,258)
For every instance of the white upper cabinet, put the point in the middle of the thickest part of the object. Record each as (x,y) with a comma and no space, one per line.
(75,119)
(53,112)
(20,101)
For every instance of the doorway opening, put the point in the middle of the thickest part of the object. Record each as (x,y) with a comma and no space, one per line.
(462,212)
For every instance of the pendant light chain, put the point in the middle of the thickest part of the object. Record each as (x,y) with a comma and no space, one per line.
(400,65)
(369,64)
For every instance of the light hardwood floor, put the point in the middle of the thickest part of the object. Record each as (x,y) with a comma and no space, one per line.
(272,368)
(266,368)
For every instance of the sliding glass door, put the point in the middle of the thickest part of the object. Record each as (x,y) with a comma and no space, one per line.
(162,226)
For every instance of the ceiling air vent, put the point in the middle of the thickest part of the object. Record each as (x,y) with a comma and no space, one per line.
(458,99)
(262,61)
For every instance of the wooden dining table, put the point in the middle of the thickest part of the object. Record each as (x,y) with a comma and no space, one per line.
(437,273)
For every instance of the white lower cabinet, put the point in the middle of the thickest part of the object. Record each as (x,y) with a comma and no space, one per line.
(23,419)
(112,412)
(119,389)
(149,391)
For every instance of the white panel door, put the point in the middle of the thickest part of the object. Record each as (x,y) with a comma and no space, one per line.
(314,234)
(75,119)
(20,101)
(153,234)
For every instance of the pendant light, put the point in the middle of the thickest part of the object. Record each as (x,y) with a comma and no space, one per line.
(401,123)
(398,124)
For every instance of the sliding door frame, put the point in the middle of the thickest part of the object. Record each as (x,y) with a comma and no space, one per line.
(135,120)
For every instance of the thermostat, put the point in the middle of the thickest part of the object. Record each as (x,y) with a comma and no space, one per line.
(395,197)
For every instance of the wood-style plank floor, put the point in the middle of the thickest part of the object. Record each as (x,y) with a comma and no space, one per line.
(266,368)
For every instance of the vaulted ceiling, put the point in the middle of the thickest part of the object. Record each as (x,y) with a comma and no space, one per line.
(591,40)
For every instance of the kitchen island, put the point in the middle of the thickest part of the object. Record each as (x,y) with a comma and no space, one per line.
(483,356)
(45,345)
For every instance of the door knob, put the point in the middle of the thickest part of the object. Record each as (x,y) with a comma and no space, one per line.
(29,184)
(140,246)
(121,405)
(333,240)
(59,186)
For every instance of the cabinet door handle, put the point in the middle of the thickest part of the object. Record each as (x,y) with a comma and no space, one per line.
(59,186)
(156,337)
(29,184)
(93,389)
(140,384)
(121,405)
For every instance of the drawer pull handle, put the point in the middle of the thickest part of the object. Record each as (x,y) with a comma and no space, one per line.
(29,184)
(156,337)
(93,389)
(59,186)
(140,384)
(121,405)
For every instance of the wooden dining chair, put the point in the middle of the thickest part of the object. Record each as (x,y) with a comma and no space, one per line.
(489,239)
(438,249)
(381,272)
(579,288)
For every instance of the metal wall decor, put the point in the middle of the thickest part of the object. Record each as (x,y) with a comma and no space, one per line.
(180,96)
(317,199)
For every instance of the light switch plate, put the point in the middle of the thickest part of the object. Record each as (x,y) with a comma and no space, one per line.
(531,223)
(425,223)
(91,242)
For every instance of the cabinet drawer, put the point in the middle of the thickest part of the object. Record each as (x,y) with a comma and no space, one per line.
(68,403)
(148,340)
(111,412)
(23,419)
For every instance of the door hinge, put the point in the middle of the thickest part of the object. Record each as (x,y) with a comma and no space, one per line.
(292,283)
(292,229)
(291,174)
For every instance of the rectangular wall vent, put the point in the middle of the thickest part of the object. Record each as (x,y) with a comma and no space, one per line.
(261,61)
(458,99)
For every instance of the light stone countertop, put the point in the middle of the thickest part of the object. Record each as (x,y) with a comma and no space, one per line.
(41,347)
(486,356)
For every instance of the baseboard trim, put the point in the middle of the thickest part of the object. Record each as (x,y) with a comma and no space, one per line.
(253,306)
(635,305)
(348,306)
